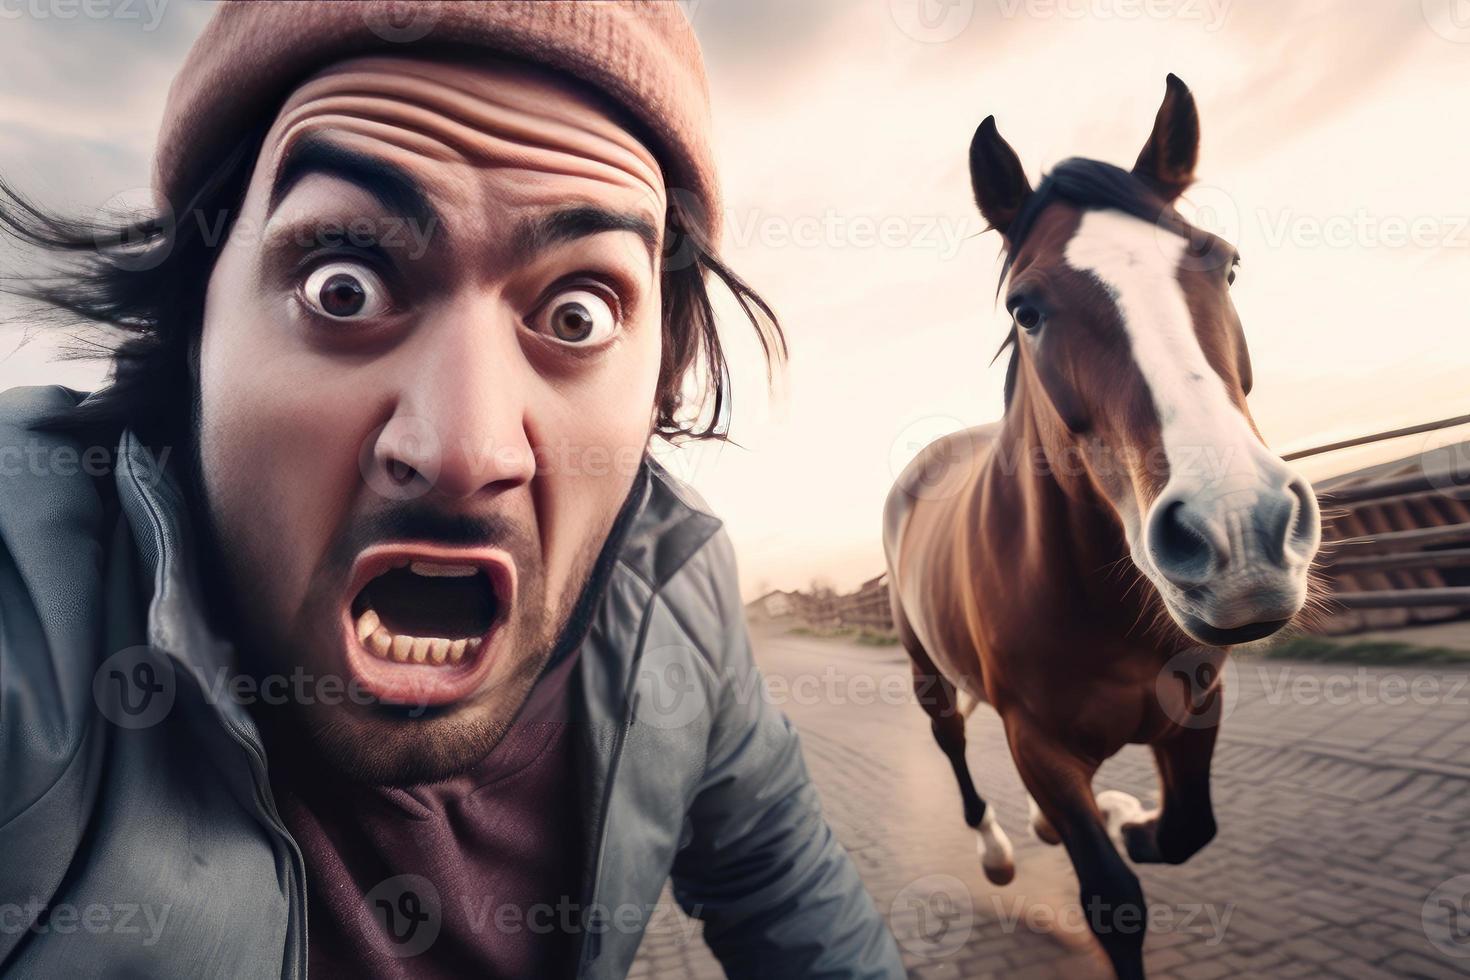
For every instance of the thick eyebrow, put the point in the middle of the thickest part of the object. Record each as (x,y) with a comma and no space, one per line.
(395,189)
(537,234)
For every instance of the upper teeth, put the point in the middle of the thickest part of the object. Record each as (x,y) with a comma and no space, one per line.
(434,569)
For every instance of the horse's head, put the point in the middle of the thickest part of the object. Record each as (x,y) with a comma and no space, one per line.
(1132,361)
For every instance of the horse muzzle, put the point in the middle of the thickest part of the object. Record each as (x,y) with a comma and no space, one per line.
(1230,558)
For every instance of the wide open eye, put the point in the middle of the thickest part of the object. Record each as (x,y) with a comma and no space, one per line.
(345,291)
(579,317)
(1027,317)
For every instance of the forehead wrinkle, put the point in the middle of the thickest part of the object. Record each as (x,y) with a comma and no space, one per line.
(486,115)
(470,172)
(414,131)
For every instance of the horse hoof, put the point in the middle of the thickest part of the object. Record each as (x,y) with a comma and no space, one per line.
(1001,875)
(1143,842)
(1041,827)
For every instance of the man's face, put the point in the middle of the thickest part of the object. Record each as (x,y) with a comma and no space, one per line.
(427,375)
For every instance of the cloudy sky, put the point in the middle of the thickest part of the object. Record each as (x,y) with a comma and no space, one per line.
(1334,155)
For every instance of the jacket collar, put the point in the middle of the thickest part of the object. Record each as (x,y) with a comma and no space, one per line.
(671,526)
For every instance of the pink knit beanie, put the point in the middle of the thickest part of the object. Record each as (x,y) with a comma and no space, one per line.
(642,54)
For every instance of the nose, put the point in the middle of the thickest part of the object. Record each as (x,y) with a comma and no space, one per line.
(459,427)
(1195,534)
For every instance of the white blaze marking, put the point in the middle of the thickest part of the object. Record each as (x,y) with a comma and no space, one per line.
(1205,437)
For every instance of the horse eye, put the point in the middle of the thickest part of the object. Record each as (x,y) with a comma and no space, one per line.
(1028,317)
(1230,279)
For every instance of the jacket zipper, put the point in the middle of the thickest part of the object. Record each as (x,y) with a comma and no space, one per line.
(296,866)
(264,800)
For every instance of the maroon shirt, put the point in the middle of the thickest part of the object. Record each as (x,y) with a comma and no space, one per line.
(473,876)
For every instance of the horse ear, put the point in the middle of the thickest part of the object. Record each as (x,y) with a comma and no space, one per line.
(1168,159)
(1001,187)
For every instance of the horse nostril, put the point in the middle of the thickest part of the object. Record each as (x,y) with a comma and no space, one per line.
(1274,518)
(1287,523)
(1305,528)
(1184,548)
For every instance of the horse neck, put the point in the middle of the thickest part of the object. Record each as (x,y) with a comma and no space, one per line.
(1060,505)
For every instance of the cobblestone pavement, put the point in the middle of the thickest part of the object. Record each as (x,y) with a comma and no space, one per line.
(1342,795)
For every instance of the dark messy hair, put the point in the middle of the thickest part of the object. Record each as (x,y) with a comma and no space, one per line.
(143,280)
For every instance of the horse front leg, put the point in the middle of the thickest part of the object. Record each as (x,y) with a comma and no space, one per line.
(1185,822)
(1111,896)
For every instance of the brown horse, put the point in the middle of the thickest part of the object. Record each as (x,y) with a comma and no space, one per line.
(1083,564)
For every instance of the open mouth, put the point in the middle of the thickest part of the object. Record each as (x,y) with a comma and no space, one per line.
(423,624)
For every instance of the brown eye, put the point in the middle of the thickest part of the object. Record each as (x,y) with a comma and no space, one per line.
(345,291)
(577,316)
(1028,318)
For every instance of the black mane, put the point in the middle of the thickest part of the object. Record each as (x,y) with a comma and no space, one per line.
(1090,185)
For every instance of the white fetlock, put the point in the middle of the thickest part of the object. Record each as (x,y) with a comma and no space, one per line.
(994,847)
(1119,809)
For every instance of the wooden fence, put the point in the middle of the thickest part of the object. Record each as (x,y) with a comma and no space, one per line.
(1394,542)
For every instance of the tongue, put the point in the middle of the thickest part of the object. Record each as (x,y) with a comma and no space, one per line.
(417,605)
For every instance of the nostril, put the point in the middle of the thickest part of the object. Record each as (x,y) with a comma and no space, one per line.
(1288,523)
(1306,529)
(400,472)
(1181,544)
(1274,518)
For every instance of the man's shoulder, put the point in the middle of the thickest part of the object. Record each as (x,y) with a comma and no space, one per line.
(37,454)
(673,526)
(26,409)
(682,550)
(53,518)
(52,478)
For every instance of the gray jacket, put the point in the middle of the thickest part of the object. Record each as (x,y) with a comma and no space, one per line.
(138,836)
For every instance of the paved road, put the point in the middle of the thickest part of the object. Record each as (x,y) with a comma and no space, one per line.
(1342,794)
